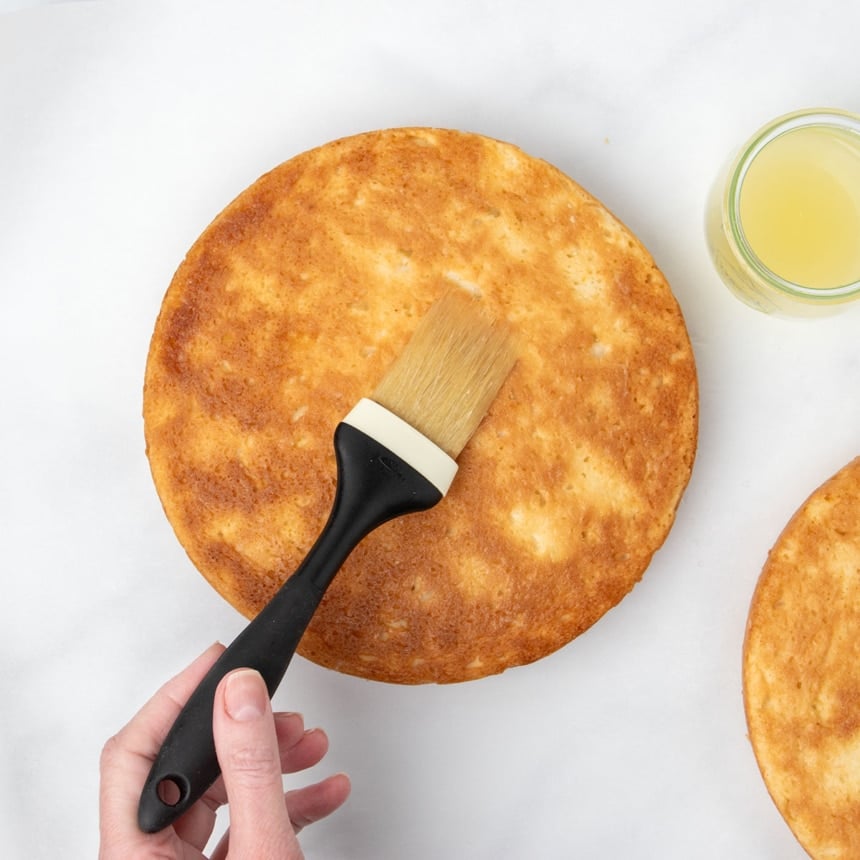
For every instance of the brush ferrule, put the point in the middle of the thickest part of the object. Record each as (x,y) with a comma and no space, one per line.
(402,439)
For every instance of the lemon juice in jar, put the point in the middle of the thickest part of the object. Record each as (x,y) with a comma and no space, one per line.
(784,226)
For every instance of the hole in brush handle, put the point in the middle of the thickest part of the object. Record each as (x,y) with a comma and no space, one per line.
(172,789)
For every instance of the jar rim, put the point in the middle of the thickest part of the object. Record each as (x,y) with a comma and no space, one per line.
(817,117)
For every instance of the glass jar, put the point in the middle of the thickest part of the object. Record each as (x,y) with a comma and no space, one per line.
(783,211)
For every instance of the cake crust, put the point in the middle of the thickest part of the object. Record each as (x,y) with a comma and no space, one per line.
(290,307)
(802,670)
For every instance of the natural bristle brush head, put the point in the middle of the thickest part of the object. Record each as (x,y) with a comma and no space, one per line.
(449,373)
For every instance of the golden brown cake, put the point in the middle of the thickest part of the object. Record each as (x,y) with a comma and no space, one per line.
(291,306)
(802,670)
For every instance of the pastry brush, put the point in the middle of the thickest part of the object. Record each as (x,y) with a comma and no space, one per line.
(396,454)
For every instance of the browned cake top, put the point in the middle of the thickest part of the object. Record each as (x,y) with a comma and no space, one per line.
(291,306)
(802,670)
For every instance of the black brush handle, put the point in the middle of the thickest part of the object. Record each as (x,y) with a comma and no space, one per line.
(373,485)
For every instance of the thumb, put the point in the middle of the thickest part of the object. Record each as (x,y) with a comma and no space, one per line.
(245,741)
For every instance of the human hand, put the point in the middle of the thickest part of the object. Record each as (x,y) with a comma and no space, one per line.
(254,748)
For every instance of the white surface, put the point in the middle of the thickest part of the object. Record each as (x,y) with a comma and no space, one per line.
(124,128)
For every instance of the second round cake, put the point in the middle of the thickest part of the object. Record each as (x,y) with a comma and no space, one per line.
(801,667)
(291,306)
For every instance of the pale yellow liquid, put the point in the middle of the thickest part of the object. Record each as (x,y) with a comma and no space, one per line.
(800,207)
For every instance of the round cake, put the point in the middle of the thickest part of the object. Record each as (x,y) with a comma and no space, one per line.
(802,670)
(291,306)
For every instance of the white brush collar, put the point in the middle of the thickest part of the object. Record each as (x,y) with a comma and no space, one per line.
(402,439)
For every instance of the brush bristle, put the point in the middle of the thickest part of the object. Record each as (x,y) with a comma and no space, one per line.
(449,373)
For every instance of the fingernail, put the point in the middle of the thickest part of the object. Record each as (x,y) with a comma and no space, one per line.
(288,715)
(245,696)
